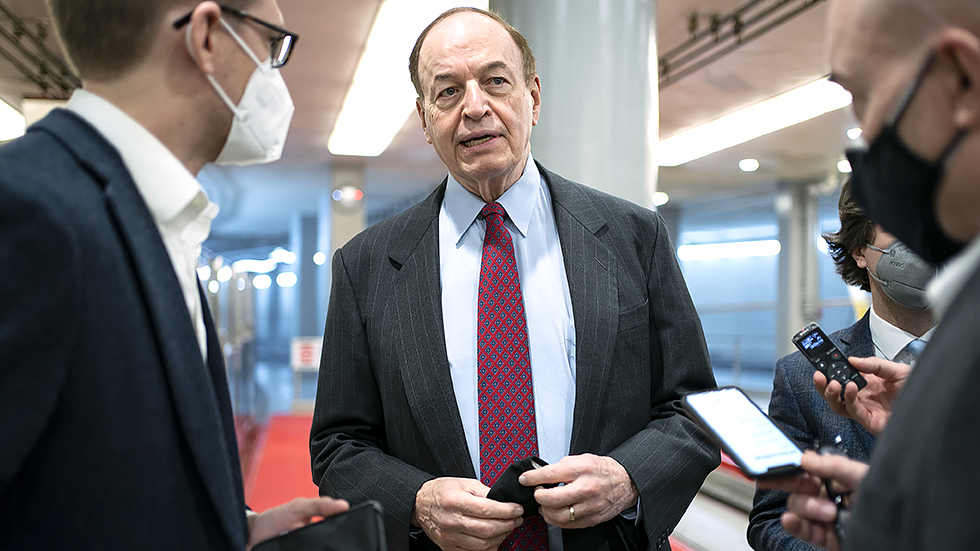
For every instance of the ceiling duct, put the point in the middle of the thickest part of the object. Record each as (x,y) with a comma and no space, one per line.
(724,33)
(24,49)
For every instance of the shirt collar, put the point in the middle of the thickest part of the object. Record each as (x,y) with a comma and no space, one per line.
(890,339)
(519,201)
(164,182)
(942,290)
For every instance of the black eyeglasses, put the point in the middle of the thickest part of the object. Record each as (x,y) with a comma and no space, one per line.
(280,46)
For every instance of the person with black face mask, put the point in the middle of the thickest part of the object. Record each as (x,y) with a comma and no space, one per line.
(893,328)
(913,67)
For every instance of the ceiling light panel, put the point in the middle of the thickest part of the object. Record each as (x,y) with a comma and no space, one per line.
(793,107)
(12,123)
(381,94)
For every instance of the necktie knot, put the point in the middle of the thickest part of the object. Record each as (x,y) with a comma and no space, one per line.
(915,348)
(491,212)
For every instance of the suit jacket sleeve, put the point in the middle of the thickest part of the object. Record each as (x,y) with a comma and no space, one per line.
(349,444)
(38,313)
(765,532)
(669,459)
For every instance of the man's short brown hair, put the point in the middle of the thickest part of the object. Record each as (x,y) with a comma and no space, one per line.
(856,231)
(103,39)
(527,56)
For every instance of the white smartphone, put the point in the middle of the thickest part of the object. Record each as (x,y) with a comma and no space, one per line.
(744,432)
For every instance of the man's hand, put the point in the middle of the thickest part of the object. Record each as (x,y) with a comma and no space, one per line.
(290,516)
(810,514)
(456,514)
(598,488)
(872,405)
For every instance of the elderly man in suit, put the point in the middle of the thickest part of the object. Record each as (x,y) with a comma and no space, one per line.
(116,428)
(512,313)
(913,67)
(896,327)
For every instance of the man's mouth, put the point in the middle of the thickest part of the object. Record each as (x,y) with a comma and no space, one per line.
(477,141)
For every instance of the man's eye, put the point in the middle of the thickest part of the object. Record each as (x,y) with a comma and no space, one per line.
(497,81)
(448,92)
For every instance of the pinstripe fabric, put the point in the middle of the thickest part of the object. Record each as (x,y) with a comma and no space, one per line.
(386,418)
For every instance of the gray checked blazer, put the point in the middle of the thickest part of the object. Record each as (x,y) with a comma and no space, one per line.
(386,419)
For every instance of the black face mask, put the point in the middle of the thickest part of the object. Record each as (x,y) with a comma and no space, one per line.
(897,188)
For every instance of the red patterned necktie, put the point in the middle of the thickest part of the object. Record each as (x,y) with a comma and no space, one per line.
(508,431)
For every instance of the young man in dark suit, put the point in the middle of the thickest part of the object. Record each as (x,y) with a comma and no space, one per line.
(435,378)
(116,427)
(913,67)
(870,258)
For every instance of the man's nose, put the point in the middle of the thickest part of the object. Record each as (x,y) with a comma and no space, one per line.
(475,104)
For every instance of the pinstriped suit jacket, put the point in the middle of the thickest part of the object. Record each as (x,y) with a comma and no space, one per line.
(386,419)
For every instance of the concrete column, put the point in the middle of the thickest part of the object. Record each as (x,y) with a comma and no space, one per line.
(347,217)
(303,242)
(598,67)
(798,304)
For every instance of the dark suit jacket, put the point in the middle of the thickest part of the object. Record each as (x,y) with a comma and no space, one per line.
(804,415)
(113,432)
(386,419)
(922,489)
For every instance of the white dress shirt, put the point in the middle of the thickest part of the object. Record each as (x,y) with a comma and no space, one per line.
(890,341)
(180,208)
(944,288)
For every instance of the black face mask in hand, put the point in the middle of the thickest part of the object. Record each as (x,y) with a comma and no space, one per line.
(897,188)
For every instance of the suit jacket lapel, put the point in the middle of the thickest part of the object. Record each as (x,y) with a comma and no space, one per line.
(591,270)
(191,386)
(417,299)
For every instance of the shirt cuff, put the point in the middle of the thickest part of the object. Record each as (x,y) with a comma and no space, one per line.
(633,513)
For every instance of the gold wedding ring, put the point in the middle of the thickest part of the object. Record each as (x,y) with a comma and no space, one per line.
(571,514)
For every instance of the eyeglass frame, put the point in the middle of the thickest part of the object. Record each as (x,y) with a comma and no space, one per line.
(288,37)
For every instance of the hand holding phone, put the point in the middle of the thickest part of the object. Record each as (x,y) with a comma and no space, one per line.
(821,352)
(744,432)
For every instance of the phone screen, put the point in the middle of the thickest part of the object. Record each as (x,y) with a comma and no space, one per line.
(745,432)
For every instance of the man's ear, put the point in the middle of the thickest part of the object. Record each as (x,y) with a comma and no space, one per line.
(204,21)
(535,99)
(963,50)
(421,112)
(858,255)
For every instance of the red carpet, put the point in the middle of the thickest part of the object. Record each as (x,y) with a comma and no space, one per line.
(280,469)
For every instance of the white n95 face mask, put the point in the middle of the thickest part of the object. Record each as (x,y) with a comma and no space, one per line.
(262,117)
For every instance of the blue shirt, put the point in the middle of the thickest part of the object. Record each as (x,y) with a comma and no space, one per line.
(547,304)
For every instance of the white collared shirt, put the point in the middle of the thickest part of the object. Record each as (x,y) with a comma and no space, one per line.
(942,290)
(180,208)
(890,340)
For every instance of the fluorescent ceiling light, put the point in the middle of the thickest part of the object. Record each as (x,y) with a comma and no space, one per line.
(854,133)
(381,94)
(844,166)
(738,249)
(660,199)
(793,107)
(12,123)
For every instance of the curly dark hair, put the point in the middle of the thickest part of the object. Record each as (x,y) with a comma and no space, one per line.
(856,231)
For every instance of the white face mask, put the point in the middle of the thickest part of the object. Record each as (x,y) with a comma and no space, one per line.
(262,117)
